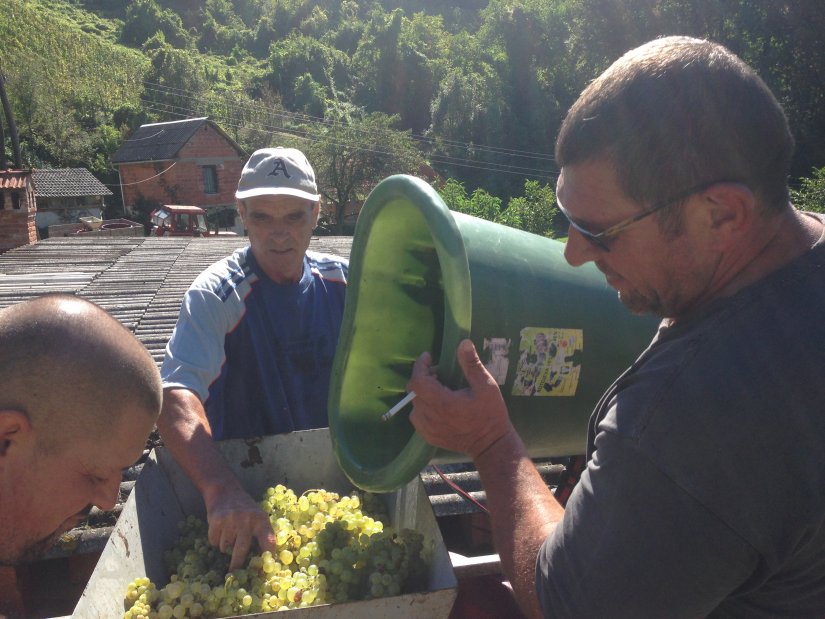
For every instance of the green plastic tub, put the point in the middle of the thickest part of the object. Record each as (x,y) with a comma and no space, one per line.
(422,278)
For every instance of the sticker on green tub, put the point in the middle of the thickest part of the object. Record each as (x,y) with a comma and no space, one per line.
(497,360)
(548,362)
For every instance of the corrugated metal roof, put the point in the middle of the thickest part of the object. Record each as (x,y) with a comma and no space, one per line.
(14,179)
(66,182)
(139,280)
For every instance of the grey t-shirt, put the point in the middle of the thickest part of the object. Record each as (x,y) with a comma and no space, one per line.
(704,493)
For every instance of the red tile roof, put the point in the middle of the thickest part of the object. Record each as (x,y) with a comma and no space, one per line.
(14,179)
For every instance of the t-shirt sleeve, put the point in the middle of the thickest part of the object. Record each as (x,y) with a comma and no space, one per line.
(634,544)
(195,352)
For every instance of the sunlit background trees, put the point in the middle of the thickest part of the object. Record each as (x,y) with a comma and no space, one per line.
(476,90)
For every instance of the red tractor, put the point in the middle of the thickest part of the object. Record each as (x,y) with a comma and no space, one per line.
(177,220)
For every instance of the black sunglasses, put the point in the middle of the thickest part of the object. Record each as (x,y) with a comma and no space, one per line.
(599,239)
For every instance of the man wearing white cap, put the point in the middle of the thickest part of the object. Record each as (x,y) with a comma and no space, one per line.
(253,347)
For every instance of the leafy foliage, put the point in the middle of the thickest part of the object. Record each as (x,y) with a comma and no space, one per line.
(175,80)
(479,204)
(534,212)
(477,87)
(298,57)
(67,61)
(811,194)
(349,158)
(145,18)
(54,71)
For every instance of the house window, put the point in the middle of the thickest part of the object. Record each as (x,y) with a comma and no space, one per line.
(210,179)
(15,200)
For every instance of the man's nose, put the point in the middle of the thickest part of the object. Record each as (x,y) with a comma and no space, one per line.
(107,493)
(578,250)
(279,231)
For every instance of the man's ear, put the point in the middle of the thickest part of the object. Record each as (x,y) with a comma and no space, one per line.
(316,213)
(731,211)
(14,428)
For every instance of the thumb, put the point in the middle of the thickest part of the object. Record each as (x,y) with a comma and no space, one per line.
(474,370)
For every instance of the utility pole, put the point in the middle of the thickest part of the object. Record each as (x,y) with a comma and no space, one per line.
(15,142)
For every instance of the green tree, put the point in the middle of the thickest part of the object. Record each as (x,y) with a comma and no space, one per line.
(145,18)
(279,20)
(782,41)
(219,38)
(524,43)
(250,122)
(811,194)
(299,55)
(534,212)
(454,195)
(176,82)
(63,85)
(486,81)
(480,204)
(398,64)
(467,115)
(316,23)
(350,159)
(309,96)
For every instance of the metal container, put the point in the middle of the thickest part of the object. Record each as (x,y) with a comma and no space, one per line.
(163,495)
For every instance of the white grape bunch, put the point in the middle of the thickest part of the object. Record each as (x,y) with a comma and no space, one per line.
(329,548)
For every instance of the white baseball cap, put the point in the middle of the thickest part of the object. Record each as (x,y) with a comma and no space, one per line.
(277,172)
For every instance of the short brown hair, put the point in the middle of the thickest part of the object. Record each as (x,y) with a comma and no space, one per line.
(71,368)
(675,113)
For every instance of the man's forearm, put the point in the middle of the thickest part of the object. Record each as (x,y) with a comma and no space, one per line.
(186,434)
(235,519)
(523,512)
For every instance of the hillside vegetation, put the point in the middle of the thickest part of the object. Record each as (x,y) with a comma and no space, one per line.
(477,89)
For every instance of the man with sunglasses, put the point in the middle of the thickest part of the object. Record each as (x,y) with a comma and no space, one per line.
(704,492)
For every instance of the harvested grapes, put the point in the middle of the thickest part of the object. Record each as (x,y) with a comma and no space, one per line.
(330,548)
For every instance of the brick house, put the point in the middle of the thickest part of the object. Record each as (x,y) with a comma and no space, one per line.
(65,195)
(17,209)
(190,162)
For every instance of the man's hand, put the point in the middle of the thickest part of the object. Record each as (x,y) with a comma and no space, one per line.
(469,420)
(235,519)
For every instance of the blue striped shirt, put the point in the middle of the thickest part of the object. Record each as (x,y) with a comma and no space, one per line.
(257,353)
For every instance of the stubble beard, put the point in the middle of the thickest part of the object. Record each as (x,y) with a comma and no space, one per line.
(29,552)
(641,305)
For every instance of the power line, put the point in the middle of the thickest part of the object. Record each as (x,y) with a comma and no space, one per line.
(183,112)
(145,179)
(302,118)
(489,166)
(299,117)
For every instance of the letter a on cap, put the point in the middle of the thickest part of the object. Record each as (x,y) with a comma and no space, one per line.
(278,172)
(279,166)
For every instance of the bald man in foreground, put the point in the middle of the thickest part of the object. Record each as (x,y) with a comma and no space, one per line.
(78,398)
